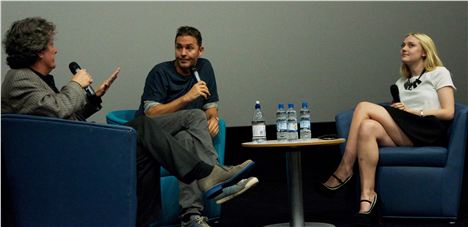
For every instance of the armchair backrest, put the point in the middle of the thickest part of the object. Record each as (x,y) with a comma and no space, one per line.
(120,117)
(456,152)
(67,173)
(458,129)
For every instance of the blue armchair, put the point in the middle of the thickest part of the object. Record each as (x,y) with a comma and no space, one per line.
(59,172)
(420,182)
(169,184)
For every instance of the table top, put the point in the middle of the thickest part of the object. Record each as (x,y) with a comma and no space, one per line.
(295,143)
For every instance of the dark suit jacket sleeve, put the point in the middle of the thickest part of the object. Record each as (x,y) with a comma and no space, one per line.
(92,106)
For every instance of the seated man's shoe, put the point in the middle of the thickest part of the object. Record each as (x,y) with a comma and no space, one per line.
(223,176)
(235,190)
(196,221)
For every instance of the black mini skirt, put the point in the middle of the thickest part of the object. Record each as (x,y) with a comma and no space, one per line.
(422,131)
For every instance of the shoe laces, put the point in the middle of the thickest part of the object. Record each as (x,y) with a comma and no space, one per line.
(201,220)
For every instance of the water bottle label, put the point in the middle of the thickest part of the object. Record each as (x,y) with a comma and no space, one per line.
(292,126)
(305,124)
(258,130)
(281,126)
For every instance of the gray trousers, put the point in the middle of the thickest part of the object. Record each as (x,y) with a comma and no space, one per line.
(195,138)
(178,142)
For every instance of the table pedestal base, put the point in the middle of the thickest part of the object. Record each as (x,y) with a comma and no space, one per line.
(306,224)
(294,176)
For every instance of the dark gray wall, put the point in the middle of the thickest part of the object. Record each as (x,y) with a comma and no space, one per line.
(332,54)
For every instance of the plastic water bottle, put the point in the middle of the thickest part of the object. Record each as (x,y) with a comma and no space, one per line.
(292,122)
(281,123)
(304,122)
(258,125)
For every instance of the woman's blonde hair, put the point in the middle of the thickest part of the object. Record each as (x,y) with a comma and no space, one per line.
(431,61)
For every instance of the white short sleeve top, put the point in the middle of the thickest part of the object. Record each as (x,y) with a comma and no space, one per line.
(424,96)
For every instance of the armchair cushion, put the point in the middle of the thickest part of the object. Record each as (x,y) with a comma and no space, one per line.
(413,156)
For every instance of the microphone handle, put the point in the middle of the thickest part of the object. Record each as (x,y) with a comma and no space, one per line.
(195,73)
(89,90)
(73,68)
(395,93)
(197,76)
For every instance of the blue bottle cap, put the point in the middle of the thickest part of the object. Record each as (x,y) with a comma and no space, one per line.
(257,104)
(281,106)
(305,105)
(290,105)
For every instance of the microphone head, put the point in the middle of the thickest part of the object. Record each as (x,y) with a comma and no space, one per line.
(195,73)
(74,67)
(395,93)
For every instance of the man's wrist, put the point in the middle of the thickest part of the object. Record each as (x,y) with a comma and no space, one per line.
(213,117)
(185,99)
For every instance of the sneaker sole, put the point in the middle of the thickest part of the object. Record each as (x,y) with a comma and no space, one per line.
(217,189)
(249,185)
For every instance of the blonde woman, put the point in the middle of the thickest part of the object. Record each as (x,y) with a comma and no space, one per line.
(421,118)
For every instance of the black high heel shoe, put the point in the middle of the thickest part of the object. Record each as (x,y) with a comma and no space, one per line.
(330,191)
(371,217)
(341,183)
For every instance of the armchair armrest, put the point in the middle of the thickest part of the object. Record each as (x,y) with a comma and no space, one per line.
(68,173)
(219,141)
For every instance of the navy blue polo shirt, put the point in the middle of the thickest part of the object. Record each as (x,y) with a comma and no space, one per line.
(164,84)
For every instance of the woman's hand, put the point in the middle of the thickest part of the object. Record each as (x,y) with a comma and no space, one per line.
(399,105)
(107,83)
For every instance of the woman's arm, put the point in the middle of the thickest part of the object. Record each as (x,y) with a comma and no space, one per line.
(447,105)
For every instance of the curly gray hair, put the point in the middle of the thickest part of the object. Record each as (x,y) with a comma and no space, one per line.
(26,39)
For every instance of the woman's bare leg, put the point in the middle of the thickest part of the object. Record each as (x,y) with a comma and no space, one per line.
(345,168)
(363,111)
(380,129)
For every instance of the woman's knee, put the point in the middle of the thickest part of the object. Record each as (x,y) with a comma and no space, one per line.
(368,128)
(371,110)
(364,105)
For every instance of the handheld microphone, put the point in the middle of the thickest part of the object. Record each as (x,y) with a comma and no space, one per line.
(73,68)
(395,93)
(195,72)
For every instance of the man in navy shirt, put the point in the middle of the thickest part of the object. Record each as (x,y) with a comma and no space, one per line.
(182,85)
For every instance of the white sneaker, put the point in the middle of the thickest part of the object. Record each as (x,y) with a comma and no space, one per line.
(196,221)
(235,190)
